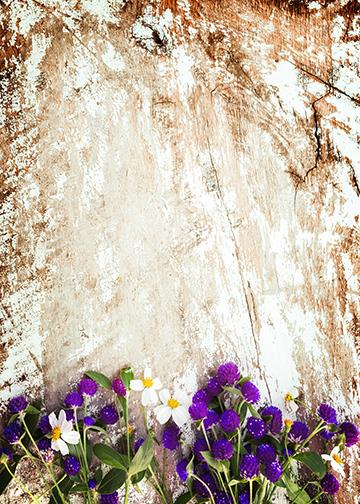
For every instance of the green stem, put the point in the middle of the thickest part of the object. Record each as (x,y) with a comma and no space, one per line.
(127,487)
(157,484)
(205,485)
(251,490)
(229,487)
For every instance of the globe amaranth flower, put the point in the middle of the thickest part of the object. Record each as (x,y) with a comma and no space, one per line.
(44,444)
(92,484)
(200,445)
(273,471)
(222,498)
(138,443)
(181,469)
(273,417)
(69,413)
(148,386)
(351,433)
(249,467)
(329,484)
(13,432)
(198,410)
(250,392)
(290,452)
(44,424)
(89,421)
(200,488)
(170,437)
(327,413)
(109,415)
(118,387)
(265,453)
(229,420)
(211,419)
(201,396)
(228,373)
(213,387)
(87,386)
(112,498)
(244,497)
(17,405)
(74,400)
(5,454)
(71,465)
(326,434)
(299,432)
(62,433)
(222,449)
(256,427)
(173,406)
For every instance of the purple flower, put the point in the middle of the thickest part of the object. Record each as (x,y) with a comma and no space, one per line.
(44,444)
(87,386)
(351,433)
(229,420)
(249,467)
(13,432)
(213,387)
(201,396)
(274,422)
(200,445)
(88,421)
(256,427)
(273,471)
(327,413)
(109,415)
(222,449)
(69,414)
(73,400)
(326,434)
(250,392)
(71,465)
(198,410)
(265,453)
(244,497)
(228,373)
(170,437)
(112,498)
(92,484)
(181,470)
(329,484)
(138,443)
(17,405)
(118,387)
(222,498)
(44,424)
(5,452)
(209,481)
(211,419)
(299,432)
(290,452)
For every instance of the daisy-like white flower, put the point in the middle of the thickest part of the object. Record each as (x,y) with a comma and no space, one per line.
(290,403)
(62,433)
(335,460)
(173,406)
(148,386)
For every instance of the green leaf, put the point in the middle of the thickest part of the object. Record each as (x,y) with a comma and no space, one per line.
(216,464)
(184,498)
(253,411)
(313,461)
(113,480)
(243,412)
(127,375)
(295,493)
(138,477)
(31,420)
(31,410)
(98,475)
(110,457)
(233,390)
(143,457)
(100,379)
(79,487)
(244,380)
(234,482)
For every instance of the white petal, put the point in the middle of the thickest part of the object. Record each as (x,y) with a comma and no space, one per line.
(53,421)
(147,372)
(63,447)
(157,384)
(164,396)
(180,415)
(62,418)
(67,426)
(163,414)
(183,398)
(136,385)
(55,445)
(149,396)
(335,450)
(71,437)
(326,457)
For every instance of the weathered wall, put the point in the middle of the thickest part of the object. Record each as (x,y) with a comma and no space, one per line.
(180,184)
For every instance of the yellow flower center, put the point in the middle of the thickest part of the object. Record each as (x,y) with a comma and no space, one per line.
(337,459)
(148,382)
(55,433)
(288,423)
(173,403)
(288,397)
(130,429)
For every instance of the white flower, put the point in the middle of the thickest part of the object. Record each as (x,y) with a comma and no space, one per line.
(290,403)
(175,407)
(335,460)
(148,386)
(62,433)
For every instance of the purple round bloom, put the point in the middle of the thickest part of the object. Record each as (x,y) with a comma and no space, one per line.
(213,387)
(44,444)
(44,424)
(112,498)
(181,470)
(71,465)
(222,449)
(13,432)
(211,419)
(265,453)
(274,423)
(299,432)
(92,484)
(88,421)
(222,498)
(109,415)
(198,410)
(244,497)
(273,471)
(200,445)
(326,434)
(73,400)
(256,427)
(69,413)
(327,413)
(209,481)
(118,387)
(290,452)
(228,373)
(201,396)
(5,451)
(170,437)
(249,467)
(87,386)
(229,420)
(138,443)
(17,405)
(351,433)
(250,392)
(329,484)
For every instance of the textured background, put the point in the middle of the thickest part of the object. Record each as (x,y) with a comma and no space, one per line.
(180,184)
